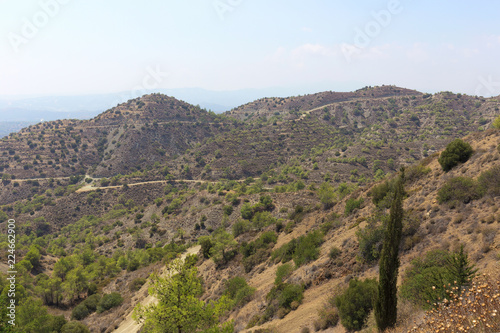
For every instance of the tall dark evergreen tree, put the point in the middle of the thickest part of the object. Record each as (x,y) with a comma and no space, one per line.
(386,303)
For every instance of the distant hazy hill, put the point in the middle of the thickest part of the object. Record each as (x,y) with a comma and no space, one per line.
(7,127)
(34,109)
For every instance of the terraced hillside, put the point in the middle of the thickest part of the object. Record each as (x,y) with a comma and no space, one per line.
(304,196)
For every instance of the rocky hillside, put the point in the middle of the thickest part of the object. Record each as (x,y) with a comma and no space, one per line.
(108,201)
(193,143)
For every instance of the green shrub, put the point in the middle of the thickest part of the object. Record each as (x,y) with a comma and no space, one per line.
(298,214)
(370,240)
(289,227)
(290,293)
(259,250)
(326,195)
(238,290)
(206,245)
(261,220)
(57,323)
(74,327)
(228,210)
(267,202)
(285,252)
(352,204)
(282,273)
(255,259)
(356,302)
(489,182)
(92,302)
(80,312)
(240,227)
(109,301)
(381,192)
(457,151)
(265,240)
(308,248)
(458,189)
(3,216)
(425,281)
(302,250)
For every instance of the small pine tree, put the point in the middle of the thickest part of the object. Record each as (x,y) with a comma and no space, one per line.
(386,303)
(459,267)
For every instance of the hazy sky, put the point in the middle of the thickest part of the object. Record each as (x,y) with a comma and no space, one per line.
(89,46)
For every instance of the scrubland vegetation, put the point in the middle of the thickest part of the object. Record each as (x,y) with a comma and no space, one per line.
(292,212)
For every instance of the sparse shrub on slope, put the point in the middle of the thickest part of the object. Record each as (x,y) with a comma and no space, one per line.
(356,302)
(239,290)
(370,240)
(109,301)
(283,297)
(382,194)
(458,189)
(302,250)
(489,182)
(457,151)
(259,250)
(415,172)
(352,204)
(240,227)
(326,194)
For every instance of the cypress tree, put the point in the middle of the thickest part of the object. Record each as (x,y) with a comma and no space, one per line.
(386,303)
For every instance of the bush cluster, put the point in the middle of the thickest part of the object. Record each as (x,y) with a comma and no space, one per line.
(109,301)
(457,151)
(370,240)
(265,204)
(85,308)
(259,250)
(302,250)
(352,204)
(464,189)
(458,189)
(356,302)
(239,291)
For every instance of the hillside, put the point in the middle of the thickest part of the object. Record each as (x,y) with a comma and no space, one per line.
(101,203)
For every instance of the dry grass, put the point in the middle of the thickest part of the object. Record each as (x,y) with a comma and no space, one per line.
(475,309)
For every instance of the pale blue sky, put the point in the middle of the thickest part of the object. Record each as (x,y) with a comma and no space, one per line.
(89,46)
